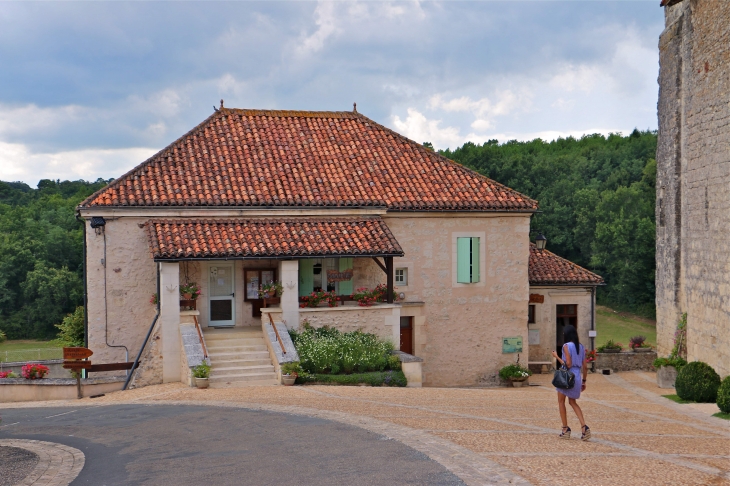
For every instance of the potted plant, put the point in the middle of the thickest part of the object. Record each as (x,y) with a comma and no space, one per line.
(611,346)
(271,289)
(667,369)
(639,345)
(202,374)
(190,291)
(290,372)
(33,371)
(515,374)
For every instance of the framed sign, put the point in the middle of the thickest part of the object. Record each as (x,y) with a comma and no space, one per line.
(512,344)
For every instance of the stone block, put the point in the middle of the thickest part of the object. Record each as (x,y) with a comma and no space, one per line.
(666,376)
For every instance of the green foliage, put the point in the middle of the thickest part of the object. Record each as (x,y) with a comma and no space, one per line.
(597,195)
(677,399)
(327,350)
(680,338)
(71,330)
(610,344)
(374,378)
(723,395)
(3,337)
(41,253)
(292,368)
(697,381)
(202,370)
(514,371)
(675,361)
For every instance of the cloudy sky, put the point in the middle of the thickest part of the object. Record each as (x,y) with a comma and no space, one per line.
(91,89)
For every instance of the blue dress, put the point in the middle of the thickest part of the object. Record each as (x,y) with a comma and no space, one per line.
(576,359)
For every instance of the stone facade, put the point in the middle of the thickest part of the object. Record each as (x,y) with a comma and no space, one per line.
(625,361)
(382,320)
(693,176)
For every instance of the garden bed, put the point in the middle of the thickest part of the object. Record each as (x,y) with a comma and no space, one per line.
(373,378)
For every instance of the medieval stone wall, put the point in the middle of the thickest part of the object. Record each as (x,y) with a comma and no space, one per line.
(693,180)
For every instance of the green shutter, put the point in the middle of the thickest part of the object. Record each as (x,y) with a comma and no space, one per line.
(474,260)
(463,260)
(345,288)
(306,277)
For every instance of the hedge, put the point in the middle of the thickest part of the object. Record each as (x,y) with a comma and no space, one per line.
(723,395)
(374,378)
(697,381)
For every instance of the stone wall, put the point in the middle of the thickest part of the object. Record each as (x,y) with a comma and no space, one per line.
(149,371)
(625,361)
(693,176)
(379,319)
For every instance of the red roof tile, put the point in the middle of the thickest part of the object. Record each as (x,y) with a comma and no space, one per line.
(546,268)
(262,158)
(270,238)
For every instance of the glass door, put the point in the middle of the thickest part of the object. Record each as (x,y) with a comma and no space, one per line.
(221,295)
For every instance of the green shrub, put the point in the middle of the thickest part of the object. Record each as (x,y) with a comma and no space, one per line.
(723,395)
(202,370)
(373,378)
(71,333)
(3,337)
(327,350)
(610,344)
(514,371)
(697,381)
(675,361)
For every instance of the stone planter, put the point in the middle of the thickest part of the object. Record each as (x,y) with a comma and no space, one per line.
(288,380)
(665,376)
(201,382)
(518,382)
(611,351)
(642,350)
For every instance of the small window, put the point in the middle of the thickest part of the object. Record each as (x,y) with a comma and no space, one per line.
(401,276)
(531,314)
(467,260)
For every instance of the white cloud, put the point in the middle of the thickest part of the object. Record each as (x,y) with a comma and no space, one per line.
(19,120)
(327,26)
(18,163)
(417,127)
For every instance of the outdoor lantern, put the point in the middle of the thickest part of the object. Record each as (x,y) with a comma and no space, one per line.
(540,242)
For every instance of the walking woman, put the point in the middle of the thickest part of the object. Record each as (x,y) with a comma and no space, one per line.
(574,358)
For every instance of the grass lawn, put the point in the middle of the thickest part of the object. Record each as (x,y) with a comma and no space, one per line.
(675,398)
(621,326)
(26,350)
(722,415)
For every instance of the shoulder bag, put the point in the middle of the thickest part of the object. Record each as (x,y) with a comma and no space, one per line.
(563,378)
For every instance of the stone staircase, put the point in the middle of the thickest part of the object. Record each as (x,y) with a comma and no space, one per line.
(238,357)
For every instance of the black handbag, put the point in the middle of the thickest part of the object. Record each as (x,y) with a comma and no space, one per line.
(563,378)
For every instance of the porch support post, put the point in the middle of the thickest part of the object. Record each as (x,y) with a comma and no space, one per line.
(170,321)
(289,276)
(389,273)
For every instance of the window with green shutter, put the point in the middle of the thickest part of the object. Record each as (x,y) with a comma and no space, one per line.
(345,287)
(467,260)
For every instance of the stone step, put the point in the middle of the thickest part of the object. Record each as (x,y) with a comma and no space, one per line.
(252,341)
(243,377)
(216,335)
(247,383)
(241,370)
(264,359)
(236,349)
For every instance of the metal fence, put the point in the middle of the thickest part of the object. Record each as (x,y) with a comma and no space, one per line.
(31,355)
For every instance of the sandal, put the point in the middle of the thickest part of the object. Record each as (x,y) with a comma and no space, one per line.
(586,433)
(565,434)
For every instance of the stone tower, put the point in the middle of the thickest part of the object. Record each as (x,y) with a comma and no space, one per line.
(693,180)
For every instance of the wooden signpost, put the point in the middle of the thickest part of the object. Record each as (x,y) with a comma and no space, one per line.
(72,360)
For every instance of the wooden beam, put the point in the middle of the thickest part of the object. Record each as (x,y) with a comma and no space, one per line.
(382,267)
(389,273)
(111,367)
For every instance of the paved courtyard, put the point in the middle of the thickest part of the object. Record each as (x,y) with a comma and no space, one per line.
(480,436)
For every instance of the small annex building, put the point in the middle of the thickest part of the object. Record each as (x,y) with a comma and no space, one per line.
(326,201)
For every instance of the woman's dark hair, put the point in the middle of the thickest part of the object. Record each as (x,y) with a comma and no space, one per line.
(570,334)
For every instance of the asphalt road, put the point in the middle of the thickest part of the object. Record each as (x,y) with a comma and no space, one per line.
(180,445)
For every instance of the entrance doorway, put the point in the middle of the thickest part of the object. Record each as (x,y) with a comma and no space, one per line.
(221,295)
(254,278)
(406,334)
(566,315)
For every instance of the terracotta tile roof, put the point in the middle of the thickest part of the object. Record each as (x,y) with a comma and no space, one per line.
(270,238)
(547,268)
(298,158)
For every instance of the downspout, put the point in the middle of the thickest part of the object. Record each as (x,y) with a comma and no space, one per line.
(593,325)
(86,297)
(149,332)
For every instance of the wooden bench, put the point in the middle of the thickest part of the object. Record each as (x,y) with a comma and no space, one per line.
(546,365)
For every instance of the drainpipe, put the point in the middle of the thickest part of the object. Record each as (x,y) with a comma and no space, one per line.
(593,324)
(86,297)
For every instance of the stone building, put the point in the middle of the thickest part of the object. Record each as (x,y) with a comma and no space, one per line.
(693,180)
(324,202)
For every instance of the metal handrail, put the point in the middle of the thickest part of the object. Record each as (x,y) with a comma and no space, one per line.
(200,335)
(281,343)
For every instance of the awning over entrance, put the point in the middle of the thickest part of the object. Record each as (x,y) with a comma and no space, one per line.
(267,238)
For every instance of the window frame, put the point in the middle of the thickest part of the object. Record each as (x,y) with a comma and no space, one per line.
(531,310)
(404,281)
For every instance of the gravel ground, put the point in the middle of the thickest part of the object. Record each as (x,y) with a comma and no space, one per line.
(15,464)
(637,434)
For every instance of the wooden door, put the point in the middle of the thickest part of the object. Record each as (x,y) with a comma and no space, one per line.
(406,334)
